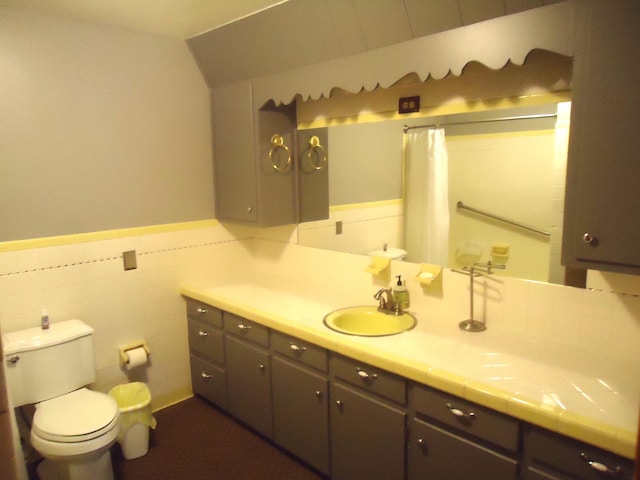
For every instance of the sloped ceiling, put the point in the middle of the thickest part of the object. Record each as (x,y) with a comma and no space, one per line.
(297,33)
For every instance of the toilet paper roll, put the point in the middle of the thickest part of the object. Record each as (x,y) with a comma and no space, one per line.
(136,358)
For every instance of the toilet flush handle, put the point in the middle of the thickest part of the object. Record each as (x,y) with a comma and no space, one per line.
(13,360)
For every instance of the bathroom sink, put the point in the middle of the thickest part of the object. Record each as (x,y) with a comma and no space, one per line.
(368,321)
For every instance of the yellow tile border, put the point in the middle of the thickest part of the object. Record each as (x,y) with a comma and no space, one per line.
(27,244)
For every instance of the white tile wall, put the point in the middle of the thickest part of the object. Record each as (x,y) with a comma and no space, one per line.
(87,281)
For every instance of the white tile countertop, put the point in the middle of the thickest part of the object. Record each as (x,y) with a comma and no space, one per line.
(574,391)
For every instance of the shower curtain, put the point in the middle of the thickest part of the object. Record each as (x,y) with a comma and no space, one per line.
(426,196)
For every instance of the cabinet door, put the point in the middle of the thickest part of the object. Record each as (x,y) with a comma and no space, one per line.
(438,454)
(249,385)
(367,437)
(300,413)
(602,219)
(235,159)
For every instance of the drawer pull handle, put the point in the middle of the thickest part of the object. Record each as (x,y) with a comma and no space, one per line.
(297,348)
(339,403)
(459,413)
(366,376)
(600,467)
(420,442)
(262,366)
(244,327)
(203,333)
(205,376)
(318,394)
(202,311)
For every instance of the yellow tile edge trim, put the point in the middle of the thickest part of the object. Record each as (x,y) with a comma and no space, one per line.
(17,245)
(356,206)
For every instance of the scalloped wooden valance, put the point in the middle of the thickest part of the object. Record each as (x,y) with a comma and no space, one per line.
(493,43)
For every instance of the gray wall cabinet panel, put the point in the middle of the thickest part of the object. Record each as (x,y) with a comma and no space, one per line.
(301,412)
(209,381)
(603,167)
(234,170)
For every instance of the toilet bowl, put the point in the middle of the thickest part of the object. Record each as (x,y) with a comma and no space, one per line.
(74,433)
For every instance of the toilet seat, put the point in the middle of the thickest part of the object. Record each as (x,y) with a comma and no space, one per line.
(78,416)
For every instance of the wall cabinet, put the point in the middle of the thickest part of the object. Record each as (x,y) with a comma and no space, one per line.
(452,439)
(248,189)
(352,421)
(602,221)
(367,429)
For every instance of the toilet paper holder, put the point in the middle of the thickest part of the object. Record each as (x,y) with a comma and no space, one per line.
(132,346)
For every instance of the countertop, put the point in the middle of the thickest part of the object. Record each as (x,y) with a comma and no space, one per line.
(569,390)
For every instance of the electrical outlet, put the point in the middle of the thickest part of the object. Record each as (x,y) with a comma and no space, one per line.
(129,260)
(409,104)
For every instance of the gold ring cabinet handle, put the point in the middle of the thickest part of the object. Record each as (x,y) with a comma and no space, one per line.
(318,151)
(277,142)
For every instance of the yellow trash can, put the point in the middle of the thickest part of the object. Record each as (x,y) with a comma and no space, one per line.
(134,402)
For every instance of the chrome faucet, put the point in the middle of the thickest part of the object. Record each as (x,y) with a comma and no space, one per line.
(389,304)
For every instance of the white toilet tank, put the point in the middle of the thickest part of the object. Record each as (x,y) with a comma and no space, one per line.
(43,364)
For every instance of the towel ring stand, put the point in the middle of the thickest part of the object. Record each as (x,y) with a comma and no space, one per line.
(319,153)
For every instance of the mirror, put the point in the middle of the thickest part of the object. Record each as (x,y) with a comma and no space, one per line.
(510,169)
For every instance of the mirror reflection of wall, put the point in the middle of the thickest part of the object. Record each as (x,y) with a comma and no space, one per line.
(513,169)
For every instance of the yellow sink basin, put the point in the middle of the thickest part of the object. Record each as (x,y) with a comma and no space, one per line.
(368,322)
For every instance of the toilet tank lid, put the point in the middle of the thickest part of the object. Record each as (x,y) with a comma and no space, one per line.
(34,338)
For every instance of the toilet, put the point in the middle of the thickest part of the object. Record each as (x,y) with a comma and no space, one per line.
(73,427)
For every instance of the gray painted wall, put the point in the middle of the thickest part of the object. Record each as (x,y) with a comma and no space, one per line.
(101,128)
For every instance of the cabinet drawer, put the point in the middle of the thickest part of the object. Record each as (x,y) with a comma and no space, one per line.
(466,416)
(304,352)
(439,454)
(206,341)
(204,313)
(370,378)
(552,453)
(254,332)
(209,381)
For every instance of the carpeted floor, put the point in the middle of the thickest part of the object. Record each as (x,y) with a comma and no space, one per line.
(194,440)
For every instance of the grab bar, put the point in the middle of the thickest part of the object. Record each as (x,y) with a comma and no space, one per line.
(502,219)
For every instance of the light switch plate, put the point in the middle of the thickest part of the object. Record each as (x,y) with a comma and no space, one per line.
(129,260)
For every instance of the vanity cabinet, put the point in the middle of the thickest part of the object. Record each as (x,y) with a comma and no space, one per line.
(549,456)
(350,420)
(453,439)
(248,188)
(602,222)
(301,399)
(248,367)
(368,421)
(206,352)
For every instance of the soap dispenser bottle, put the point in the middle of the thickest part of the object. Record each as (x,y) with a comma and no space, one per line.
(401,294)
